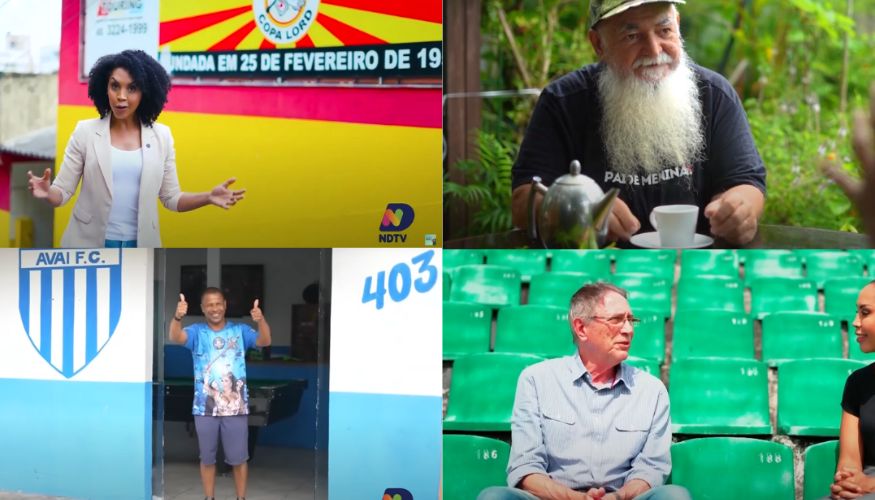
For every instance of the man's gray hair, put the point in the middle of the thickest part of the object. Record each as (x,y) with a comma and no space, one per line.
(585,300)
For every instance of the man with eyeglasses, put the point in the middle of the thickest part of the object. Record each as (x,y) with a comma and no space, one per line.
(588,426)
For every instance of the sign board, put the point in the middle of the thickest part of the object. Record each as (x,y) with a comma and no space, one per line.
(272,39)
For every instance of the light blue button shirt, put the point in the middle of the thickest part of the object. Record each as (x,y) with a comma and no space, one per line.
(583,436)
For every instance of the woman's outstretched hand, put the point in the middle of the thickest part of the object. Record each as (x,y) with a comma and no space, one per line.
(39,186)
(223,196)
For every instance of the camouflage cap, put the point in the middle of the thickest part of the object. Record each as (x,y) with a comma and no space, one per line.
(602,9)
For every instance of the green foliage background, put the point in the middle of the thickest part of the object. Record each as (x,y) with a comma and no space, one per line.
(788,59)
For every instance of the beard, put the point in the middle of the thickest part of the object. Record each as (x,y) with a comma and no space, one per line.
(649,126)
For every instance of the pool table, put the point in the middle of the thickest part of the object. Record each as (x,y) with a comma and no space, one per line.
(269,402)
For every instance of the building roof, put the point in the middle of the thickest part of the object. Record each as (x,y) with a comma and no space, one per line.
(39,144)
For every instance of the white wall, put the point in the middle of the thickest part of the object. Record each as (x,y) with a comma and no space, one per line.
(66,428)
(28,103)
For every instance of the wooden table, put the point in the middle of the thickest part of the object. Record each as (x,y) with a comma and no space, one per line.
(768,236)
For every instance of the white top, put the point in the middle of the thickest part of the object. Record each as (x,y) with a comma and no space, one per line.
(126,169)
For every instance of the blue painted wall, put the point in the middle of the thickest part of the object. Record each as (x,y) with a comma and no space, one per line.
(76,439)
(384,441)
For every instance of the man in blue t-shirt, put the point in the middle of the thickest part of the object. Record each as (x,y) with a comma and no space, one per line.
(221,399)
(648,121)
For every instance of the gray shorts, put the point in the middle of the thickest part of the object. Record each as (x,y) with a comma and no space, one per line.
(235,438)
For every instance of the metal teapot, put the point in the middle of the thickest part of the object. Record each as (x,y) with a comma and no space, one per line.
(574,213)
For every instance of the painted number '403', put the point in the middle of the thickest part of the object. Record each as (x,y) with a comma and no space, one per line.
(400,281)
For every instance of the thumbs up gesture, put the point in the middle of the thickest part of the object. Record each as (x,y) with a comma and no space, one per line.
(257,316)
(181,308)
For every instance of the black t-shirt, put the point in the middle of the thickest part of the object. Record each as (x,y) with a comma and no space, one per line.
(566,125)
(859,400)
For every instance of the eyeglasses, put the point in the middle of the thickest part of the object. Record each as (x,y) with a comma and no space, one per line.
(618,321)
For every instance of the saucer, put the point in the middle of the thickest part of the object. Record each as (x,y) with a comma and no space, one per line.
(651,240)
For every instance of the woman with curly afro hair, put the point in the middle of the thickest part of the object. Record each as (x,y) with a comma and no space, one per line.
(124,159)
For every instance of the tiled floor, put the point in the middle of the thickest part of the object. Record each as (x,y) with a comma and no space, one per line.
(274,474)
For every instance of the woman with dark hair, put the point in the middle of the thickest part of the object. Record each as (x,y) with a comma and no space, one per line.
(124,160)
(855,470)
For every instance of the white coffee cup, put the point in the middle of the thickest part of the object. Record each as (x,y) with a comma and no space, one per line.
(676,224)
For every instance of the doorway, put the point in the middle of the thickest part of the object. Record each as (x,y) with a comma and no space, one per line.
(287,381)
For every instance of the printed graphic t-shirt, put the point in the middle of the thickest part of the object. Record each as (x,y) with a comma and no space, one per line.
(220,368)
(566,125)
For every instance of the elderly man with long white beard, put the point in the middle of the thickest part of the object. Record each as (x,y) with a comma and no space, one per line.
(646,120)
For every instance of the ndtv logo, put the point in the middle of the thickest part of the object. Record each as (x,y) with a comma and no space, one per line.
(397,494)
(396,218)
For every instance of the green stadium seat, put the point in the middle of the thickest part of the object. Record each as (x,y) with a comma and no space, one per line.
(482,390)
(770,264)
(729,468)
(651,366)
(591,262)
(496,286)
(830,264)
(840,296)
(556,289)
(710,292)
(456,258)
(472,463)
(711,262)
(719,396)
(771,295)
(820,466)
(798,335)
(648,342)
(646,292)
(658,263)
(864,254)
(712,333)
(447,285)
(526,262)
(810,395)
(466,329)
(803,253)
(540,330)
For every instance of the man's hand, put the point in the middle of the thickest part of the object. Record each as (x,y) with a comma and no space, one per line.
(181,308)
(621,223)
(222,196)
(256,312)
(733,214)
(861,193)
(596,494)
(176,333)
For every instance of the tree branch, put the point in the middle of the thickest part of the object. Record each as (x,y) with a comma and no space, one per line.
(843,103)
(514,48)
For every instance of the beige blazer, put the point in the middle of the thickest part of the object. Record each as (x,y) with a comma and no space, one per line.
(87,158)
